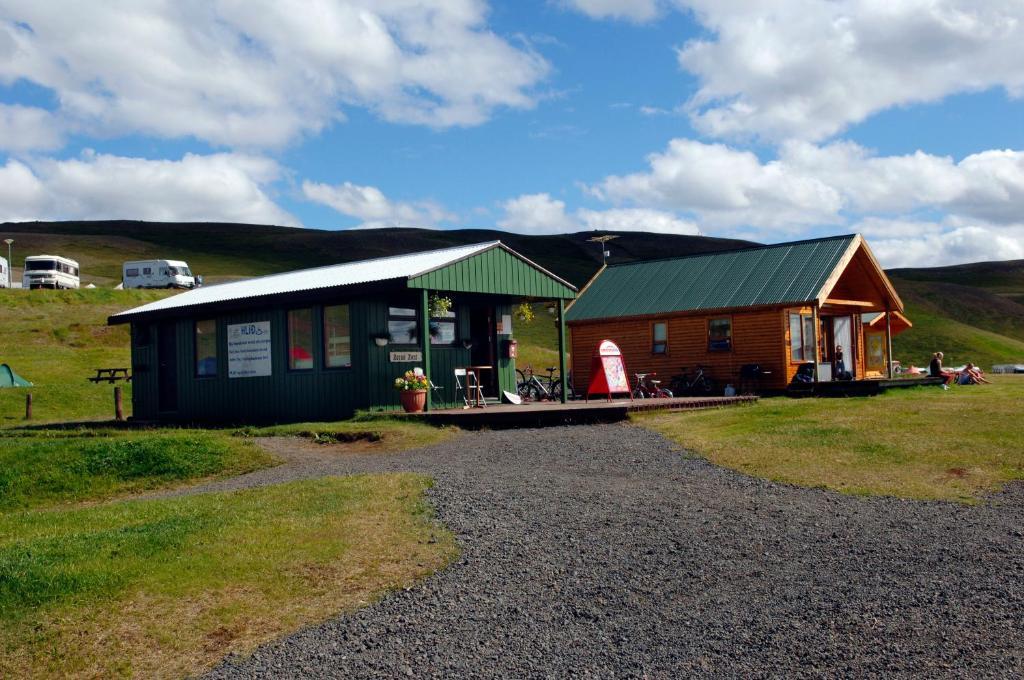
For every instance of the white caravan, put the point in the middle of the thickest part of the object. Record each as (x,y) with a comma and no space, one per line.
(5,274)
(49,271)
(157,274)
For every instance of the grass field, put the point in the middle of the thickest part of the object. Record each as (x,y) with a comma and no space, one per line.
(56,340)
(166,588)
(43,468)
(917,443)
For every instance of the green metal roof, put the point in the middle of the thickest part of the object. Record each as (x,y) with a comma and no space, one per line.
(783,273)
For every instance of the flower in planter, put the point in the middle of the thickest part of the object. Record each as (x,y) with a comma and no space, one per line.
(411,381)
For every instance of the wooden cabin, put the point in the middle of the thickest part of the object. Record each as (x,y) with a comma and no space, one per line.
(779,306)
(320,344)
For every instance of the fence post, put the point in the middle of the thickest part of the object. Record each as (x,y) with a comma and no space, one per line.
(118,406)
(28,406)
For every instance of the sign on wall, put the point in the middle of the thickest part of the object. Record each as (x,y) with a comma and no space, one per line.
(404,357)
(504,325)
(249,350)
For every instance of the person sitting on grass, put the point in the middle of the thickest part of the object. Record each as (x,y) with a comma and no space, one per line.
(935,370)
(971,376)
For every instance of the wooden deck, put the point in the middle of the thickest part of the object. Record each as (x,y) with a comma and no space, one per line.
(544,414)
(858,388)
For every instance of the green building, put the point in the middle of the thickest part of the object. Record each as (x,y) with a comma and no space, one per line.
(318,344)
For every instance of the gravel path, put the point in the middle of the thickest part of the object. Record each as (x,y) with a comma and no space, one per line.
(603,552)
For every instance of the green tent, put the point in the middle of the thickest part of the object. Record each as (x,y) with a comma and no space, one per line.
(8,378)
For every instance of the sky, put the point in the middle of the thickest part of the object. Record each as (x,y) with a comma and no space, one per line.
(902,120)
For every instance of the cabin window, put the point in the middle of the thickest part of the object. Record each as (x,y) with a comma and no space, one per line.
(442,329)
(206,348)
(148,271)
(659,337)
(337,338)
(801,337)
(402,325)
(131,272)
(720,334)
(300,339)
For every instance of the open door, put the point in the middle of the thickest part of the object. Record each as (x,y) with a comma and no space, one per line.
(842,336)
(483,331)
(167,369)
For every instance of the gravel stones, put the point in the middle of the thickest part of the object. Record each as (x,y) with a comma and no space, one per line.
(605,551)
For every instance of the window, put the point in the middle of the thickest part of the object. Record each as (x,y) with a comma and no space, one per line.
(720,335)
(402,325)
(659,337)
(206,348)
(300,339)
(40,265)
(131,272)
(148,271)
(801,337)
(337,341)
(442,329)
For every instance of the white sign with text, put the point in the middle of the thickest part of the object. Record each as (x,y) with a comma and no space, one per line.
(405,357)
(249,350)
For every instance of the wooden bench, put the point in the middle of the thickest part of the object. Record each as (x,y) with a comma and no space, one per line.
(111,375)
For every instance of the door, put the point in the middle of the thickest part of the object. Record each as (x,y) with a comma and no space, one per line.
(842,331)
(167,370)
(483,331)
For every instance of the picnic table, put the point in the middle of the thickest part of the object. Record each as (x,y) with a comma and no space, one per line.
(111,375)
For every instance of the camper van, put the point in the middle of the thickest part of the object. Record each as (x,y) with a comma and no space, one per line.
(5,274)
(157,274)
(50,271)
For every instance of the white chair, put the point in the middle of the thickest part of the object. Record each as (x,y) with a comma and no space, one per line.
(471,387)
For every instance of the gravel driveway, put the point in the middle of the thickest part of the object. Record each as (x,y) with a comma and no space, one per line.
(603,551)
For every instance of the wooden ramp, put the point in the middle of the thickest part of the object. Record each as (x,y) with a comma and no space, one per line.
(543,414)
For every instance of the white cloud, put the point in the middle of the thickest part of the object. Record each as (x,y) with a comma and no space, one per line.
(541,214)
(369,204)
(807,69)
(638,11)
(935,246)
(810,185)
(261,73)
(214,188)
(25,128)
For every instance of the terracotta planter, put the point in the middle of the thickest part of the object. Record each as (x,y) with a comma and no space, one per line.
(413,401)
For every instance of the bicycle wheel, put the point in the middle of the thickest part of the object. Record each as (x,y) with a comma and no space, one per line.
(533,392)
(521,384)
(706,386)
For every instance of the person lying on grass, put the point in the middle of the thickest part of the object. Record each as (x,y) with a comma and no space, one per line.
(935,369)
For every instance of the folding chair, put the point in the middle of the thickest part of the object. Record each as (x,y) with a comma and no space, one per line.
(471,387)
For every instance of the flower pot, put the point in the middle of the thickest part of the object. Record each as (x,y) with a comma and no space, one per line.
(413,401)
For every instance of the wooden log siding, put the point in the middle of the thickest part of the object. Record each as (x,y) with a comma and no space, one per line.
(756,339)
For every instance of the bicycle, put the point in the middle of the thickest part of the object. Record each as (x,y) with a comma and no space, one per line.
(646,388)
(533,388)
(699,385)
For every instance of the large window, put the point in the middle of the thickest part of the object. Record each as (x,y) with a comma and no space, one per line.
(206,348)
(337,338)
(300,339)
(720,334)
(659,337)
(801,337)
(402,325)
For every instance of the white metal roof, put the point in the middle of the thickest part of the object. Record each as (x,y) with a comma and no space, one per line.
(365,271)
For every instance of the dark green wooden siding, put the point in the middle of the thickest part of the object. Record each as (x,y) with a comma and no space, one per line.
(494,271)
(288,396)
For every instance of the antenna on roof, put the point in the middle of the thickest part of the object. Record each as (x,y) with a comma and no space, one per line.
(605,253)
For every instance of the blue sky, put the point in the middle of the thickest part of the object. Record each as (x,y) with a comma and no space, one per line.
(769,121)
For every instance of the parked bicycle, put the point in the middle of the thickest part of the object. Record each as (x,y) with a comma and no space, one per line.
(530,387)
(699,384)
(649,388)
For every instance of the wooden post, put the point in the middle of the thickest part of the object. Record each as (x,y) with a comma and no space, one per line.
(888,341)
(118,406)
(562,375)
(425,340)
(28,406)
(817,343)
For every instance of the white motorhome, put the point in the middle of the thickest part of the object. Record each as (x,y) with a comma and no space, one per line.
(157,274)
(50,271)
(5,273)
